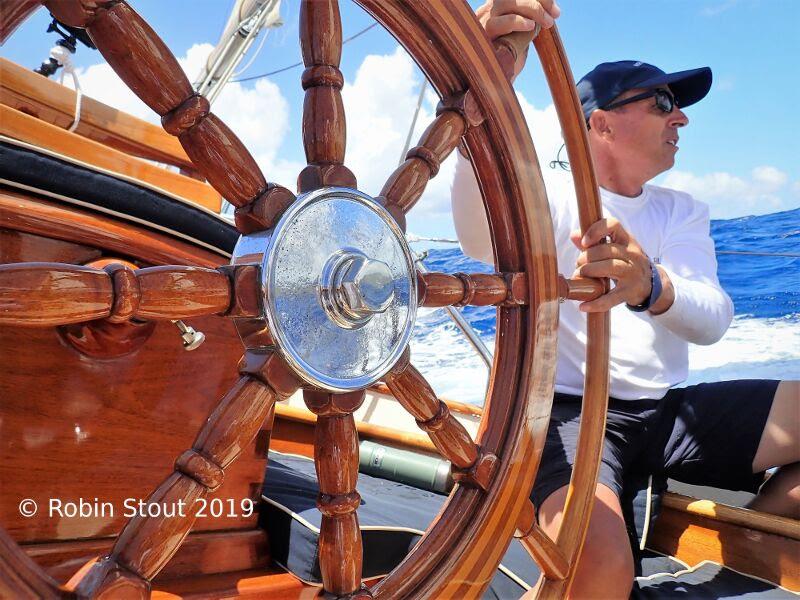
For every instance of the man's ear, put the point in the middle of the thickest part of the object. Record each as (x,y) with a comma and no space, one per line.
(599,122)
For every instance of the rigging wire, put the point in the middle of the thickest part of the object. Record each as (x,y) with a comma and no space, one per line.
(254,57)
(422,89)
(300,64)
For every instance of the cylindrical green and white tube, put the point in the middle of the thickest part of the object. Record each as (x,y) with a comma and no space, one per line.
(425,472)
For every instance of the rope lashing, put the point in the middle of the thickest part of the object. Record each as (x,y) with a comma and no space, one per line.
(63,57)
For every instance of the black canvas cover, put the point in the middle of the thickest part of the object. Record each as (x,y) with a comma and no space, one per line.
(44,172)
(392,517)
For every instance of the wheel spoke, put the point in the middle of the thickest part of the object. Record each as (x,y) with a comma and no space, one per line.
(474,289)
(324,127)
(581,289)
(336,462)
(46,294)
(405,186)
(147,66)
(147,543)
(471,465)
(50,294)
(542,549)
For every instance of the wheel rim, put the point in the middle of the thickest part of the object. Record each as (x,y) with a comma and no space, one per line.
(458,555)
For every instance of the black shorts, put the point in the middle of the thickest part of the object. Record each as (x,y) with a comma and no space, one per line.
(705,434)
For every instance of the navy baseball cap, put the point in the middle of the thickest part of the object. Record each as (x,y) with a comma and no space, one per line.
(606,81)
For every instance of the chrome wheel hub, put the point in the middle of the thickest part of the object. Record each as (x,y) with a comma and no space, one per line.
(338,286)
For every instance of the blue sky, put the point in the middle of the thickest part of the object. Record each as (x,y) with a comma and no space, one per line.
(739,153)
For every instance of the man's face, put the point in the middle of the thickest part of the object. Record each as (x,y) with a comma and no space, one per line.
(644,138)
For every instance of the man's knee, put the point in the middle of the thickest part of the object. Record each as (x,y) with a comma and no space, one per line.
(605,567)
(780,440)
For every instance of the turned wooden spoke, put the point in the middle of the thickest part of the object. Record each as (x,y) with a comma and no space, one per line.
(472,466)
(542,549)
(47,294)
(405,186)
(455,116)
(324,128)
(474,289)
(582,289)
(146,543)
(336,462)
(147,66)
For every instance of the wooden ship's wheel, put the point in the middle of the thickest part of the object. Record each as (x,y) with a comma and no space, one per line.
(323,291)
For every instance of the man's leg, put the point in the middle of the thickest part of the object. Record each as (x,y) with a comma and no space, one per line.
(780,447)
(605,566)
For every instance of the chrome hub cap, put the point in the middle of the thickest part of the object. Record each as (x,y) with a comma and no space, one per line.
(338,286)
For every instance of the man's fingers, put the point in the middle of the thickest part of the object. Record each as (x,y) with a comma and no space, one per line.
(603,252)
(614,268)
(609,227)
(603,303)
(543,12)
(499,26)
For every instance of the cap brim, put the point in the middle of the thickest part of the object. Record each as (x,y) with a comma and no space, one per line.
(688,87)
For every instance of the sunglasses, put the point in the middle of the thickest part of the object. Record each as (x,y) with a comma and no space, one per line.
(665,101)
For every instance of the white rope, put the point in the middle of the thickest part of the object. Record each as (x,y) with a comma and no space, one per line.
(62,56)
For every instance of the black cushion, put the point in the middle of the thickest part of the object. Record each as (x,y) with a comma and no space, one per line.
(392,517)
(49,174)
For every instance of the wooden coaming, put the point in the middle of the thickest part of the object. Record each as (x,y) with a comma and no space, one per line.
(53,103)
(23,127)
(763,545)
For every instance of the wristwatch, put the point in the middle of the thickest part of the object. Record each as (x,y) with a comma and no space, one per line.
(655,290)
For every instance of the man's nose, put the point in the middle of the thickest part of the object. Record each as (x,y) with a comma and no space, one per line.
(678,118)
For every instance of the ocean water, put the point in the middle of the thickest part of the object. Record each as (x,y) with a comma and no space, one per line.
(762,342)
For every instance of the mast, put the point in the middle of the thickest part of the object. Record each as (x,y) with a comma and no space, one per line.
(246,20)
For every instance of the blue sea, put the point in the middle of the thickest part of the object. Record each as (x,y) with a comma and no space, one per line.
(762,342)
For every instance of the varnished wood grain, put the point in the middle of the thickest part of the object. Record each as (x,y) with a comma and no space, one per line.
(201,554)
(171,292)
(336,464)
(16,246)
(19,575)
(150,70)
(463,60)
(432,415)
(474,289)
(580,289)
(293,436)
(46,294)
(405,186)
(458,556)
(747,547)
(53,103)
(28,129)
(23,212)
(324,128)
(14,14)
(544,551)
(580,494)
(146,543)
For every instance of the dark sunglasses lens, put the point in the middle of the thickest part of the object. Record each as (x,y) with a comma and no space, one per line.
(665,101)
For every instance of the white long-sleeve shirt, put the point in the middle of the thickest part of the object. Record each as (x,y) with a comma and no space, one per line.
(648,353)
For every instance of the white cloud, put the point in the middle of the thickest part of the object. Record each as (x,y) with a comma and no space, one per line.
(713,11)
(379,110)
(733,196)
